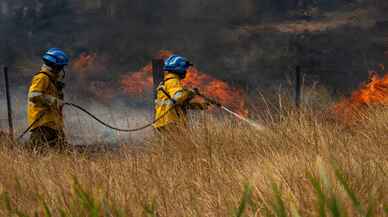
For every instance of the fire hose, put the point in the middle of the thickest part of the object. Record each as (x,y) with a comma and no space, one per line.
(116,128)
(212,101)
(98,120)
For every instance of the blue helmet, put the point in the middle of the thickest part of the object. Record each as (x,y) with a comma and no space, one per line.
(177,64)
(56,57)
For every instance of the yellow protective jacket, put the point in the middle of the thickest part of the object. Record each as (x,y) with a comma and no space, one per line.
(171,93)
(43,101)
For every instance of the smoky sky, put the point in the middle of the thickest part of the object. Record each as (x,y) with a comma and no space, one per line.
(209,32)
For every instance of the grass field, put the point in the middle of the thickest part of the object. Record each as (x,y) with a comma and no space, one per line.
(303,164)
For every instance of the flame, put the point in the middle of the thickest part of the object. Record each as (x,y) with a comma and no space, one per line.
(84,62)
(140,82)
(90,68)
(375,92)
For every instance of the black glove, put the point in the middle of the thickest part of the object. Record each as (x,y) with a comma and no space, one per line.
(209,101)
(196,92)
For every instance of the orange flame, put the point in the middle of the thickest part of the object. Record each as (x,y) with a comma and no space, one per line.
(84,62)
(89,68)
(375,92)
(140,82)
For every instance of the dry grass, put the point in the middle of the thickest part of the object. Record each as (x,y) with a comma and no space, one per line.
(221,168)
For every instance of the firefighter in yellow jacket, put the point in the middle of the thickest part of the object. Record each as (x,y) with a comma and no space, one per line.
(173,99)
(45,101)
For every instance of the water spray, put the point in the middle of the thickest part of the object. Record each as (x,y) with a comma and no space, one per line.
(246,120)
(236,115)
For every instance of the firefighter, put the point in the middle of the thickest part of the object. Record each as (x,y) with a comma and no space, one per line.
(173,100)
(45,101)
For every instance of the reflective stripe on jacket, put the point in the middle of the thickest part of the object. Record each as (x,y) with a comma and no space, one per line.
(43,96)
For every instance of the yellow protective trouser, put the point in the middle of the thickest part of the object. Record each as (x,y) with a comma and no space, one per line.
(45,137)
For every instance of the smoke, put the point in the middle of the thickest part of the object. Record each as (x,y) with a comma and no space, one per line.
(80,128)
(128,33)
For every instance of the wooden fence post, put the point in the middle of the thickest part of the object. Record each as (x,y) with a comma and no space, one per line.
(298,86)
(157,73)
(9,104)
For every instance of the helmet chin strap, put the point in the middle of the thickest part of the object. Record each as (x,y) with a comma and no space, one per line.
(61,79)
(58,71)
(61,82)
(182,75)
(64,73)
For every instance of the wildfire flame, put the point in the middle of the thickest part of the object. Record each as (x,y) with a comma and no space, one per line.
(140,82)
(84,62)
(375,92)
(89,68)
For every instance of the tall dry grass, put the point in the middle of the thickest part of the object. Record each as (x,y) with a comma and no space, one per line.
(302,165)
